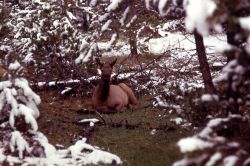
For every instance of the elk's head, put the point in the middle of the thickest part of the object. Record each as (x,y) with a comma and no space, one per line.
(106,68)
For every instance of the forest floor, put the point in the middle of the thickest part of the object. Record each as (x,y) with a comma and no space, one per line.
(144,136)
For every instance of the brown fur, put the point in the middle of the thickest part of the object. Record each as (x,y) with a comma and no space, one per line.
(112,98)
(2,71)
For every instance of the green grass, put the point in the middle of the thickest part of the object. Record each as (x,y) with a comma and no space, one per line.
(135,146)
(138,147)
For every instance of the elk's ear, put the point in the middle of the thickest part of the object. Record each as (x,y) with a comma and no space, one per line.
(98,62)
(113,63)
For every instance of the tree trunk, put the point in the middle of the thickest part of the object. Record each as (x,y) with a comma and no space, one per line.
(204,66)
(232,97)
(3,7)
(230,40)
(64,7)
(231,32)
(133,44)
(233,28)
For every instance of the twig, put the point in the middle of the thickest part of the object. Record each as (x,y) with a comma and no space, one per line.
(87,132)
(103,120)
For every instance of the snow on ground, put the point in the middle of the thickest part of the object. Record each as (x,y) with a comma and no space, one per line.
(172,41)
(215,44)
(80,153)
(123,49)
(181,49)
(177,120)
(180,53)
(90,121)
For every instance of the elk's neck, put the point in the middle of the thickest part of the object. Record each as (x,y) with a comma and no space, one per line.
(104,87)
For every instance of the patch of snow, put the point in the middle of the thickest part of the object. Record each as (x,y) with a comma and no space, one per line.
(197,15)
(124,16)
(28,58)
(67,89)
(248,44)
(95,156)
(147,2)
(230,160)
(93,2)
(233,144)
(106,25)
(191,144)
(125,75)
(103,17)
(209,98)
(70,15)
(157,46)
(177,120)
(160,102)
(113,5)
(229,68)
(69,81)
(131,21)
(170,25)
(175,42)
(5,47)
(59,146)
(29,118)
(246,162)
(91,124)
(89,120)
(244,22)
(29,102)
(112,40)
(14,66)
(182,162)
(153,132)
(218,64)
(216,122)
(56,23)
(186,125)
(46,6)
(37,1)
(161,7)
(80,153)
(178,109)
(17,141)
(213,159)
(208,129)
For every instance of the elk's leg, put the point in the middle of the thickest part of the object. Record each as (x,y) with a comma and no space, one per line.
(103,109)
(120,108)
(106,109)
(131,107)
